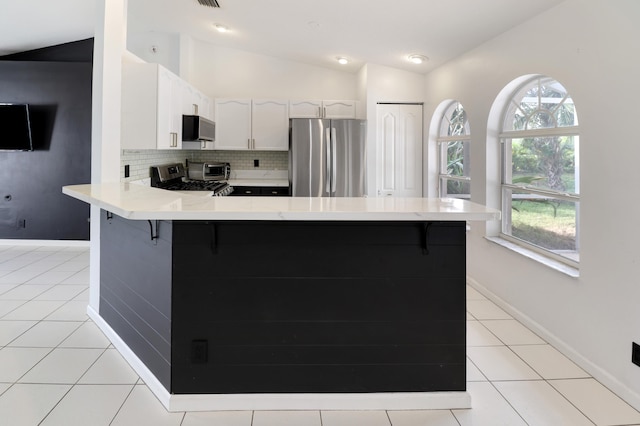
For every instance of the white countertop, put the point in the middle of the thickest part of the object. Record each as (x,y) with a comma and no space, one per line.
(139,202)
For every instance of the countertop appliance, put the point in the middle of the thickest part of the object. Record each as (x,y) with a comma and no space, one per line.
(171,177)
(208,171)
(327,157)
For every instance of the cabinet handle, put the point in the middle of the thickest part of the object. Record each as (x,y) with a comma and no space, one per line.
(248,143)
(253,144)
(319,112)
(324,112)
(195,109)
(204,144)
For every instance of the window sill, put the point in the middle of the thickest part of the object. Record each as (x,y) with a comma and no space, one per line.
(551,263)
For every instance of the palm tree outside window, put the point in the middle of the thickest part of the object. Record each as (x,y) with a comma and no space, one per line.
(453,153)
(540,170)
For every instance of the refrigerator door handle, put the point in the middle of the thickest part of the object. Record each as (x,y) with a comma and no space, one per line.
(328,161)
(334,162)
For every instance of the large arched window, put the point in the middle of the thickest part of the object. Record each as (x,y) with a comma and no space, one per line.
(453,153)
(540,170)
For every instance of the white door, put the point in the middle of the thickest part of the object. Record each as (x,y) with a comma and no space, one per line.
(399,149)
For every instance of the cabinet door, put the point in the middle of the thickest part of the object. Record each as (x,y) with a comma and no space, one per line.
(339,109)
(239,191)
(139,125)
(177,89)
(305,109)
(270,125)
(206,107)
(233,124)
(274,191)
(190,100)
(169,133)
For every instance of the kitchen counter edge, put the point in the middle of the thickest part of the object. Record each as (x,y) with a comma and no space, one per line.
(138,202)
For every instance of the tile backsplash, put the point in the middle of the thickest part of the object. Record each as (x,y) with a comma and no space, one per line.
(139,161)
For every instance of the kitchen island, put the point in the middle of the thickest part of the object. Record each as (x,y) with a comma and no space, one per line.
(286,302)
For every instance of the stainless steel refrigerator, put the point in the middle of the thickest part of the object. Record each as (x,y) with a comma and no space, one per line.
(327,157)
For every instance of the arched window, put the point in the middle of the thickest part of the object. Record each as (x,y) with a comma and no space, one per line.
(453,153)
(540,170)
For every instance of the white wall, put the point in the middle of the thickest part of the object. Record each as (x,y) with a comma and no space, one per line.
(110,36)
(591,47)
(157,47)
(223,72)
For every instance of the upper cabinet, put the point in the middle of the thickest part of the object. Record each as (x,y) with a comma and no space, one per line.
(322,109)
(153,102)
(252,124)
(195,102)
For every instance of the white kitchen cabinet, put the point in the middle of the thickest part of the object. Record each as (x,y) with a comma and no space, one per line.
(233,124)
(245,124)
(151,107)
(195,102)
(270,125)
(305,109)
(322,109)
(339,109)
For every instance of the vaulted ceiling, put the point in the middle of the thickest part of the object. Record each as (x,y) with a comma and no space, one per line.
(309,31)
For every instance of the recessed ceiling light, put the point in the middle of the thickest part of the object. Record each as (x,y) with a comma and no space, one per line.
(342,61)
(417,59)
(221,28)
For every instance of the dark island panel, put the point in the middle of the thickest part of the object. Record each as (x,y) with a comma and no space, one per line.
(135,289)
(259,333)
(296,291)
(324,378)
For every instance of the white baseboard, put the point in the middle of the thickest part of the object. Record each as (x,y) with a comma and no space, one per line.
(140,368)
(46,243)
(322,401)
(609,381)
(297,401)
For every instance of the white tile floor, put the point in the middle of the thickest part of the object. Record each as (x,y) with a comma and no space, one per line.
(57,368)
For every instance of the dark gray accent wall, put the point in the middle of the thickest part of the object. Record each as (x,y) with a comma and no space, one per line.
(75,51)
(32,205)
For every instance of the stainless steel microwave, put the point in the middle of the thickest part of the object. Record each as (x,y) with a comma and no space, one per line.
(197,128)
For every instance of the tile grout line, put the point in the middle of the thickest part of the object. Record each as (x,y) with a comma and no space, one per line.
(122,405)
(542,378)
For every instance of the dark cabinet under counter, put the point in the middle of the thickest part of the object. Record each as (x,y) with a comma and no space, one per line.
(253,191)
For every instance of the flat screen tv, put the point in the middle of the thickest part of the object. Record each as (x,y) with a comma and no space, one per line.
(15,127)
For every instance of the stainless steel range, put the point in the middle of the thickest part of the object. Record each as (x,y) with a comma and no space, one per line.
(172,177)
